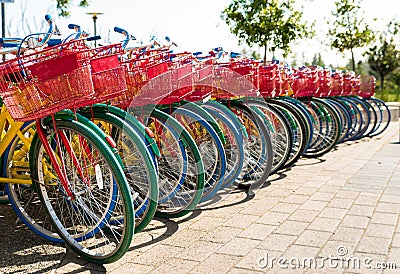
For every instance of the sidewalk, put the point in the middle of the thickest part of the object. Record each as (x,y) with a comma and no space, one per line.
(340,206)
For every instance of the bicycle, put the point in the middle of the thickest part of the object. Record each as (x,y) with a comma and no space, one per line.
(85,167)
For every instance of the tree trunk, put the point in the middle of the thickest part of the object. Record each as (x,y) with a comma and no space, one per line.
(353,63)
(382,80)
(265,54)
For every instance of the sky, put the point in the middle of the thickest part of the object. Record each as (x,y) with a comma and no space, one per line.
(194,25)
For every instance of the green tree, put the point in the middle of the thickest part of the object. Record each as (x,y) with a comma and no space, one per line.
(270,24)
(384,55)
(63,6)
(349,31)
(317,60)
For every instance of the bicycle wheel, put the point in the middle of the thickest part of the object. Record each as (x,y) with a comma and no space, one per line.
(329,128)
(139,169)
(234,148)
(279,130)
(298,128)
(356,118)
(344,117)
(23,197)
(84,213)
(210,147)
(258,163)
(383,116)
(180,166)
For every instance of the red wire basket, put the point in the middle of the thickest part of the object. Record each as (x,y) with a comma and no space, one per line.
(367,86)
(267,80)
(325,80)
(234,79)
(336,84)
(108,74)
(39,84)
(181,72)
(305,82)
(140,68)
(202,82)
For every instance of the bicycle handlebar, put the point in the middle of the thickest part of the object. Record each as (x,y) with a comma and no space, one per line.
(127,36)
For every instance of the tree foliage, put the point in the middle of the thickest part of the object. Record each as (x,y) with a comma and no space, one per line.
(384,56)
(317,60)
(272,24)
(63,6)
(349,31)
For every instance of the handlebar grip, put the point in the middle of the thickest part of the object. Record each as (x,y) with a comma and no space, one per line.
(9,45)
(120,30)
(54,42)
(234,54)
(73,26)
(93,38)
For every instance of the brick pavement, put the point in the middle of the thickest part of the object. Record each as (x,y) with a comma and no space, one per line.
(346,201)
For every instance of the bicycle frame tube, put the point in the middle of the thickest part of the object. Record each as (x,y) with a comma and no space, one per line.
(53,159)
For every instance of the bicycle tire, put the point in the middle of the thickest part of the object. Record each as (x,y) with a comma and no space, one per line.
(141,174)
(119,201)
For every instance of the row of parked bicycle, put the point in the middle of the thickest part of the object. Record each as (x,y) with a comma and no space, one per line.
(96,141)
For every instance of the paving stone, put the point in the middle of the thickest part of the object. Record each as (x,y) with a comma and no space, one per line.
(285,207)
(273,218)
(369,262)
(314,205)
(341,203)
(238,247)
(185,238)
(347,234)
(240,220)
(303,190)
(300,253)
(337,249)
(303,215)
(291,228)
(296,199)
(333,213)
(236,270)
(158,255)
(394,255)
(222,235)
(314,183)
(384,218)
(347,194)
(374,245)
(175,266)
(134,268)
(258,260)
(366,200)
(206,224)
(322,196)
(257,231)
(380,230)
(329,188)
(199,250)
(313,238)
(396,240)
(277,242)
(356,221)
(220,263)
(388,198)
(387,207)
(361,210)
(258,209)
(324,224)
